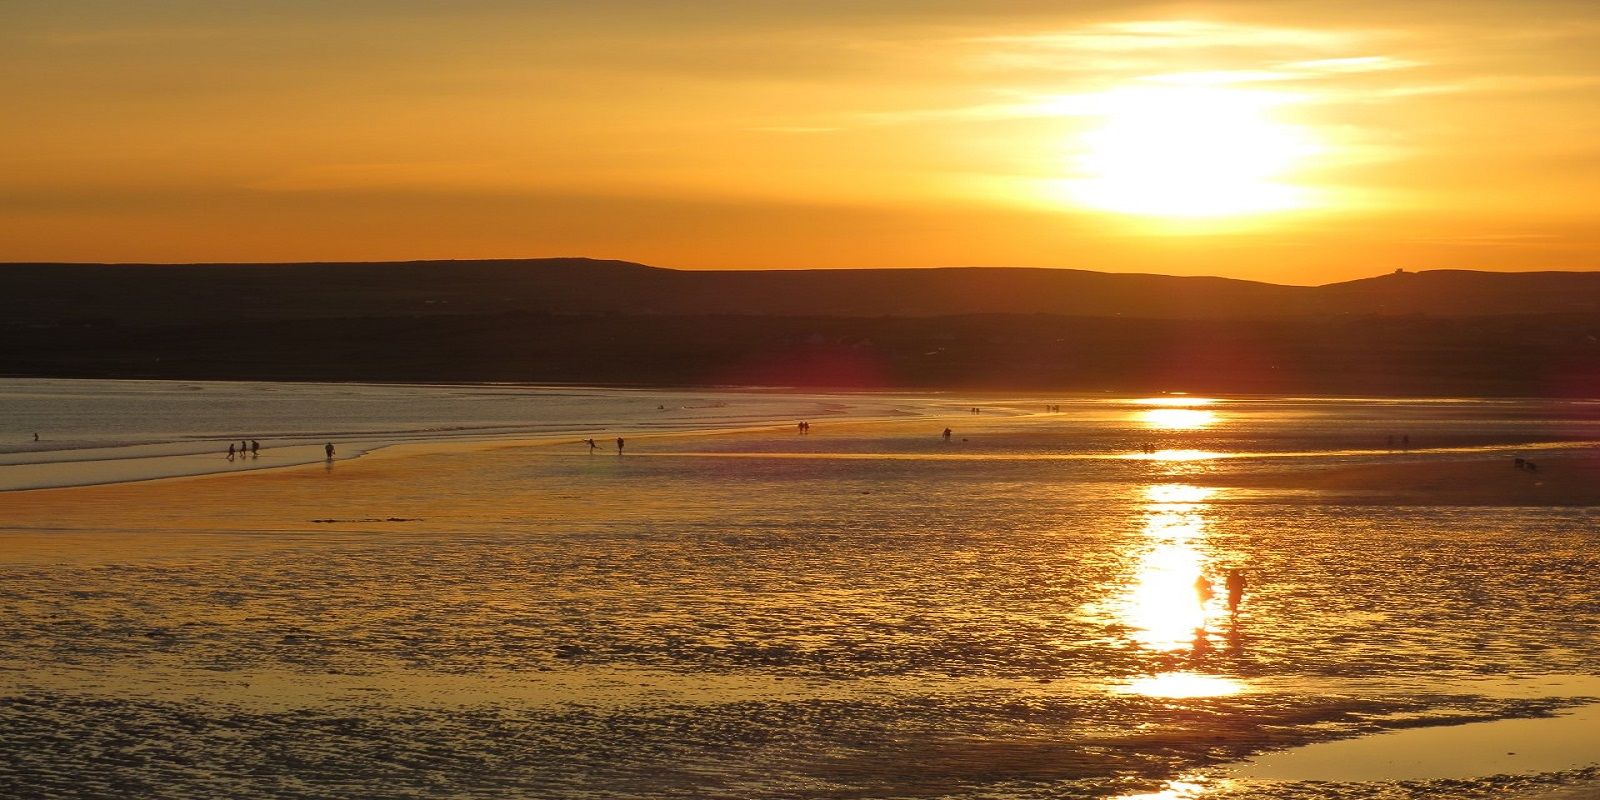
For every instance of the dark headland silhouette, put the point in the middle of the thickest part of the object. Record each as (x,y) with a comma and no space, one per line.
(582,320)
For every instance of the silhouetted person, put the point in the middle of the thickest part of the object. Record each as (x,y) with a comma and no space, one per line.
(230,451)
(36,436)
(620,443)
(947,434)
(1235,590)
(592,446)
(328,449)
(255,448)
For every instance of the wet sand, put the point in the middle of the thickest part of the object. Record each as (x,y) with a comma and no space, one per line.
(1418,479)
(506,618)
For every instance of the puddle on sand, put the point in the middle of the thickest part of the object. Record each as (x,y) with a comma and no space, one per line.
(1503,747)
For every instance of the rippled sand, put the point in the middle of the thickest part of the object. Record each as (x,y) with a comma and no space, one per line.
(764,615)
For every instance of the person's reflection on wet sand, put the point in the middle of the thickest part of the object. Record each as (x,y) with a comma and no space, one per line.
(1235,638)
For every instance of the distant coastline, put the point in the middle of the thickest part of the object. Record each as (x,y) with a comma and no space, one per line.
(578,321)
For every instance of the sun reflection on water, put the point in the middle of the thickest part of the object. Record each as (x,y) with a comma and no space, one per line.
(1175,790)
(1177,419)
(1181,685)
(1176,455)
(1179,401)
(1178,493)
(1163,606)
(1170,603)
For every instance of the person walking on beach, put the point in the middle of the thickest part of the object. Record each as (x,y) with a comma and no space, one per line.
(592,446)
(1235,590)
(947,434)
(620,443)
(328,449)
(255,449)
(230,451)
(36,436)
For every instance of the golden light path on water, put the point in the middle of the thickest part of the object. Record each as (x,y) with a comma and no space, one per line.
(1175,790)
(1162,605)
(1167,609)
(1177,455)
(1170,605)
(1177,419)
(1175,400)
(1176,413)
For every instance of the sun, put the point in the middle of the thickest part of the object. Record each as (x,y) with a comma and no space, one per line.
(1190,151)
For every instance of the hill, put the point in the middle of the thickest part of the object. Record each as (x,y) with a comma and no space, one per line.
(1429,333)
(53,293)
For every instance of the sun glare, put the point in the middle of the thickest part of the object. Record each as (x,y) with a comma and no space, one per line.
(1180,685)
(1178,493)
(1190,151)
(1175,401)
(1175,455)
(1177,419)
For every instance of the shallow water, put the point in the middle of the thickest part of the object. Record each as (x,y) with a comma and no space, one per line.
(867,611)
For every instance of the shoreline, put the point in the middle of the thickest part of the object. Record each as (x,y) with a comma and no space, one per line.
(1471,475)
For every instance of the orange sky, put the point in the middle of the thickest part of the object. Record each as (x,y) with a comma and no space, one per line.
(1294,142)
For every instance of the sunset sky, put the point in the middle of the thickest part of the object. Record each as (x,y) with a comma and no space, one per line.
(1295,142)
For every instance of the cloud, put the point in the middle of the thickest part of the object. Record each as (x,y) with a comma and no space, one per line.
(1152,40)
(1058,74)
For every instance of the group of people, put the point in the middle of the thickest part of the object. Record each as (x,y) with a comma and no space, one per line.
(593,446)
(803,426)
(1052,409)
(1235,581)
(1526,465)
(250,447)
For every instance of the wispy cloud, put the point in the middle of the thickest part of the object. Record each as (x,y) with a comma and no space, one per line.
(1142,36)
(1090,59)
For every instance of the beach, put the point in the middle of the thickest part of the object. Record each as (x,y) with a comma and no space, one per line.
(733,608)
(1569,478)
